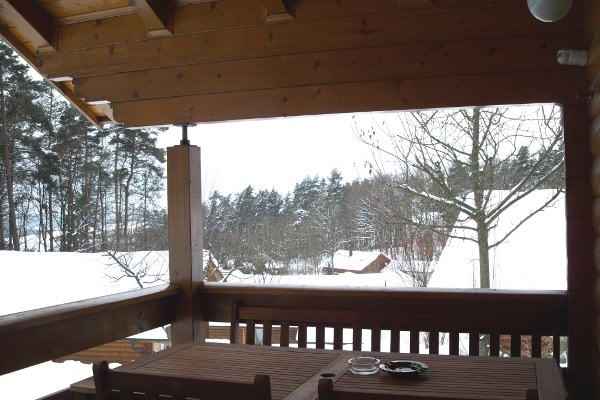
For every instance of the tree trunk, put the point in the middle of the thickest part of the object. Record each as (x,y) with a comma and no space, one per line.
(12,217)
(50,218)
(127,194)
(117,197)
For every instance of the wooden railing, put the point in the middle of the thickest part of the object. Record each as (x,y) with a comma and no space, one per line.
(36,336)
(538,316)
(529,319)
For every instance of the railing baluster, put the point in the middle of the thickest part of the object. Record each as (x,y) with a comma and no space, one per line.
(338,336)
(376,338)
(395,339)
(356,337)
(495,343)
(267,333)
(320,335)
(515,344)
(556,347)
(414,340)
(302,335)
(536,345)
(473,343)
(284,334)
(250,332)
(434,342)
(234,336)
(454,342)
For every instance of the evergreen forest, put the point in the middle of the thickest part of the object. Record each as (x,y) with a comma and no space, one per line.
(67,186)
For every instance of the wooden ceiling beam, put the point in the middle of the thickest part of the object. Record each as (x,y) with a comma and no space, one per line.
(157,15)
(301,37)
(344,66)
(279,10)
(406,94)
(31,20)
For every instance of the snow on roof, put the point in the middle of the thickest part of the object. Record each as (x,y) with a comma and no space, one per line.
(533,257)
(355,262)
(347,279)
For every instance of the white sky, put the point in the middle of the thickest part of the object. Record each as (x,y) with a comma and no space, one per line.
(274,153)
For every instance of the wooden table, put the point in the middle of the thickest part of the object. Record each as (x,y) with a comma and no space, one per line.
(295,372)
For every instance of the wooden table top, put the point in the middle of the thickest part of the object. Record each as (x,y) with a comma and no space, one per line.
(295,372)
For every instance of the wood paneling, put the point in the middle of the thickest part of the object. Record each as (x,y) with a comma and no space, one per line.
(333,67)
(405,94)
(296,38)
(62,330)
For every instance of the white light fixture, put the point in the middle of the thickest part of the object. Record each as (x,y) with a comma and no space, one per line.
(549,10)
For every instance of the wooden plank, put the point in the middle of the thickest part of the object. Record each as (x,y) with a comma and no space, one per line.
(515,345)
(356,337)
(536,346)
(302,335)
(185,239)
(454,347)
(473,343)
(434,342)
(406,94)
(345,66)
(320,335)
(250,332)
(495,343)
(32,21)
(386,29)
(414,340)
(338,336)
(395,340)
(284,340)
(375,338)
(267,333)
(58,331)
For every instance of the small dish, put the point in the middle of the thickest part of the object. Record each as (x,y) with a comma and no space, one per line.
(364,365)
(404,368)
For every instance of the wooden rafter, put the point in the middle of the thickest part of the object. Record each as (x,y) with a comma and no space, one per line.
(279,10)
(31,20)
(157,15)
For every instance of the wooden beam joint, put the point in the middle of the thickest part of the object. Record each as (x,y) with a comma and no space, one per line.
(157,15)
(279,10)
(31,20)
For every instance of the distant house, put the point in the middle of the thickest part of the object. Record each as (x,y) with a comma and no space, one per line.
(212,273)
(359,262)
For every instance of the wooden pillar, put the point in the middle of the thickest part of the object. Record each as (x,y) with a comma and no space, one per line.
(185,239)
(592,35)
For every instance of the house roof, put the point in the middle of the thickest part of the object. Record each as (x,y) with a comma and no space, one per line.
(359,260)
(145,63)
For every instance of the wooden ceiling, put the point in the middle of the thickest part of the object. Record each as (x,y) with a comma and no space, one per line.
(161,62)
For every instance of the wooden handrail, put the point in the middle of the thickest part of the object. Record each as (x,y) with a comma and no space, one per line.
(44,334)
(498,313)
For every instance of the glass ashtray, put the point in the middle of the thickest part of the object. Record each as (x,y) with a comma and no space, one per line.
(364,365)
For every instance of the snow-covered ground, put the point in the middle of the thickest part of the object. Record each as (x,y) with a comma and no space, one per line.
(533,258)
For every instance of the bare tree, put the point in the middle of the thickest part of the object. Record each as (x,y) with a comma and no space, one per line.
(463,156)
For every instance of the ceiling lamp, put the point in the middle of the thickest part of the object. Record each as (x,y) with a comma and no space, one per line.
(549,10)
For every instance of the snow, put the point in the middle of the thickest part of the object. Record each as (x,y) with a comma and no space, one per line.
(533,257)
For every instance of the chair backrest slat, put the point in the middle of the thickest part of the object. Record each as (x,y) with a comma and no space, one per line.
(177,387)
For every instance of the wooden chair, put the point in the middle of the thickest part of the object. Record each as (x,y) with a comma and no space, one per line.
(151,386)
(327,392)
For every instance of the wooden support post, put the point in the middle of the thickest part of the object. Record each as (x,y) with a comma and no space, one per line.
(185,239)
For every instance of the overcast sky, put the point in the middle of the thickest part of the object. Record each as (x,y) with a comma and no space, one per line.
(274,153)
